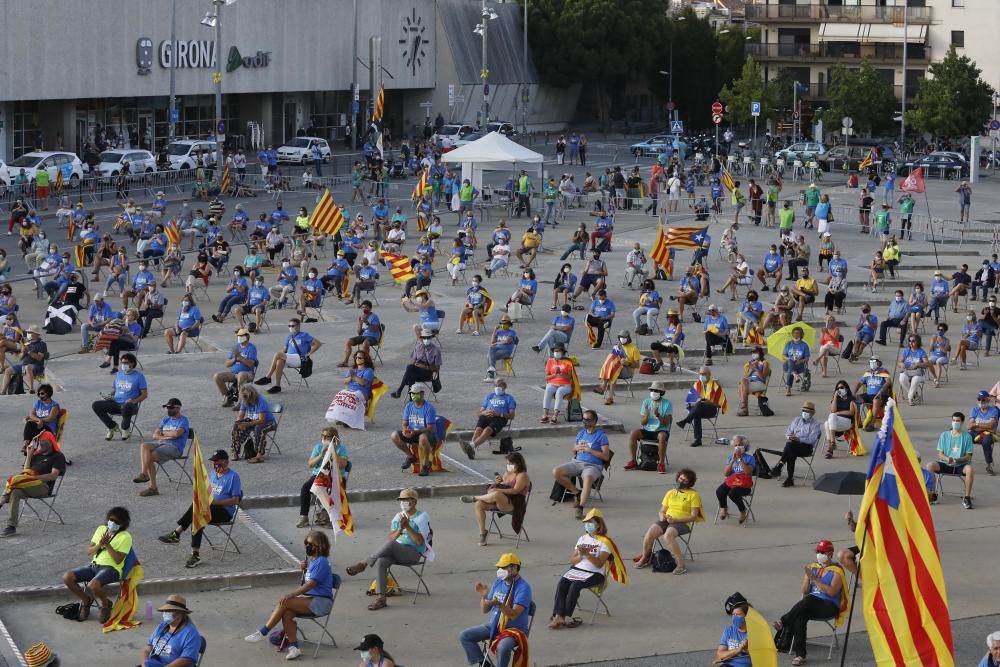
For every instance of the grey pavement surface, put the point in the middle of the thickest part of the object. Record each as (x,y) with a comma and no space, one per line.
(760,560)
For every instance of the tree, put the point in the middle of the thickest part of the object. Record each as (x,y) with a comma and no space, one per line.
(599,43)
(864,96)
(952,101)
(749,87)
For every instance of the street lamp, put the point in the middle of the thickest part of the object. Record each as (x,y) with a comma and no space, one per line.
(214,20)
(667,74)
(670,74)
(481,29)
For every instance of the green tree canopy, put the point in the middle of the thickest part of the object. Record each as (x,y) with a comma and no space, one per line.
(862,95)
(749,87)
(952,101)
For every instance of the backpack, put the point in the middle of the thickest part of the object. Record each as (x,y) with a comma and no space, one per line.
(70,611)
(648,366)
(663,561)
(574,411)
(648,456)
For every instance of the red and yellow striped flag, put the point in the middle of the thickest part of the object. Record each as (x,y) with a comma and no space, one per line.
(660,252)
(330,492)
(123,613)
(905,603)
(60,183)
(71,230)
(173,231)
(399,266)
(224,187)
(379,104)
(201,502)
(79,255)
(727,178)
(423,186)
(327,217)
(616,564)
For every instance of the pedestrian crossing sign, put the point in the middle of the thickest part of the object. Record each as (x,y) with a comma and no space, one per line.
(677,127)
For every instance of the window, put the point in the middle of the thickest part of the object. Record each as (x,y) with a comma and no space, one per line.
(958,3)
(958,38)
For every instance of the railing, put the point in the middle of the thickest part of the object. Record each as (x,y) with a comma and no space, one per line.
(837,51)
(821,91)
(851,14)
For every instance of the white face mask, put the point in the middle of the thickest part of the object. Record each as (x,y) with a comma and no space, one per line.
(755,356)
(956,426)
(969,318)
(501,573)
(623,341)
(499,391)
(427,341)
(873,365)
(113,526)
(806,416)
(822,559)
(244,340)
(590,527)
(312,276)
(511,467)
(842,392)
(327,442)
(168,617)
(899,299)
(291,329)
(702,378)
(366,656)
(404,506)
(558,355)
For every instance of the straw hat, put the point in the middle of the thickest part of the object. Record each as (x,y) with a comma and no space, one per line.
(175,603)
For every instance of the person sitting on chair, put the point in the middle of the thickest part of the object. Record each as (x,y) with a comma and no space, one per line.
(780,312)
(649,305)
(594,275)
(591,453)
(801,440)
(408,542)
(369,333)
(254,420)
(502,346)
(560,332)
(734,642)
(704,401)
(299,346)
(655,419)
(496,412)
(913,364)
(508,601)
(796,362)
(754,381)
(240,368)
(805,291)
(508,494)
(954,457)
(670,343)
(189,321)
(558,383)
(588,566)
(877,385)
(100,313)
(867,323)
(842,418)
(771,268)
(256,305)
(982,425)
(43,464)
(531,242)
(175,642)
(128,340)
(939,295)
(680,509)
(739,275)
(32,356)
(972,332)
(227,493)
(688,292)
(737,478)
(311,294)
(600,317)
(168,442)
(130,390)
(109,545)
(635,264)
(417,438)
(716,328)
(622,362)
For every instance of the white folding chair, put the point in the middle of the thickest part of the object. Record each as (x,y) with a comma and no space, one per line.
(48,501)
(181,463)
(227,531)
(834,640)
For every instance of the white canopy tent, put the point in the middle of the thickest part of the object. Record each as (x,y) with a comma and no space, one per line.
(494,152)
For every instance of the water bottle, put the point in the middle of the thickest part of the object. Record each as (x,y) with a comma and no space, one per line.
(149,610)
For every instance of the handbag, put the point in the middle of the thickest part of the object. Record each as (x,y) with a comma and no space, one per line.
(305,363)
(739,481)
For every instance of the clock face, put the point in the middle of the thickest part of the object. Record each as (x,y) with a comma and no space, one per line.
(412,41)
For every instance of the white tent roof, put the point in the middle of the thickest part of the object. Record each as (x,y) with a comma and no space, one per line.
(494,147)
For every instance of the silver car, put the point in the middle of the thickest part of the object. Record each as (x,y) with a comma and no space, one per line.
(139,162)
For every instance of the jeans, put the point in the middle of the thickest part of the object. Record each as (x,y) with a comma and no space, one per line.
(85,332)
(550,213)
(650,314)
(108,407)
(471,638)
(809,608)
(391,553)
(723,492)
(937,303)
(497,353)
(568,593)
(990,331)
(576,246)
(554,394)
(552,337)
(229,301)
(791,368)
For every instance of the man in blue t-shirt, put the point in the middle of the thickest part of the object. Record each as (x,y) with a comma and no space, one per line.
(982,425)
(369,333)
(227,493)
(240,368)
(591,452)
(417,438)
(495,413)
(509,597)
(298,348)
(100,313)
(168,442)
(771,268)
(175,639)
(129,392)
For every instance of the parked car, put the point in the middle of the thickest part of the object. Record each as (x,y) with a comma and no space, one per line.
(138,162)
(467,139)
(299,150)
(446,136)
(802,150)
(506,129)
(849,157)
(5,178)
(937,165)
(53,161)
(183,154)
(651,147)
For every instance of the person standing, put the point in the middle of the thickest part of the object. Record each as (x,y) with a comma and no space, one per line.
(964,201)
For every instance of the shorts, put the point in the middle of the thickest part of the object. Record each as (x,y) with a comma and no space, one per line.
(293,360)
(409,439)
(651,436)
(359,340)
(951,469)
(166,451)
(320,606)
(589,279)
(755,386)
(681,528)
(581,470)
(495,424)
(102,573)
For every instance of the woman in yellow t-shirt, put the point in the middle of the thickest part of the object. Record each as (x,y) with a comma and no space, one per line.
(680,508)
(108,548)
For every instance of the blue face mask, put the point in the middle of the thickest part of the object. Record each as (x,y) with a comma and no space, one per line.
(739,622)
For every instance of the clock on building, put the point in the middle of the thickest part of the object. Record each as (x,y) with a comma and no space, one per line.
(413,41)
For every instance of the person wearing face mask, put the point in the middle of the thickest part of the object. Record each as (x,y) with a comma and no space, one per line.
(44,463)
(508,601)
(422,304)
(236,293)
(175,642)
(477,302)
(635,265)
(527,288)
(733,649)
(109,545)
(795,362)
(649,306)
(593,556)
(32,356)
(591,454)
(655,419)
(830,343)
(369,333)
(739,275)
(366,280)
(896,318)
(130,390)
(168,442)
(329,437)
(801,439)
(417,438)
(939,350)
(313,598)
(984,280)
(297,352)
(140,283)
(824,598)
(621,363)
(771,268)
(559,374)
(982,425)
(866,327)
(128,340)
(599,319)
(843,418)
(960,283)
(877,385)
(425,361)
(680,509)
(716,328)
(189,321)
(756,374)
(954,456)
(495,413)
(354,402)
(408,542)
(595,275)
(503,344)
(227,493)
(255,304)
(373,653)
(255,418)
(311,295)
(737,478)
(508,494)
(972,331)
(563,285)
(990,321)
(288,278)
(938,296)
(240,368)
(913,365)
(99,314)
(704,400)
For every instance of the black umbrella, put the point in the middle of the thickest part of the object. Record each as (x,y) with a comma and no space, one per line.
(846,483)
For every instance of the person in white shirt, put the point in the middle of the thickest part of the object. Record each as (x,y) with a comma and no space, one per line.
(674,192)
(395,238)
(740,275)
(635,263)
(588,566)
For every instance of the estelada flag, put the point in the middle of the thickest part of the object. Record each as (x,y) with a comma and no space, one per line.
(79,255)
(869,160)
(173,231)
(399,266)
(914,182)
(327,218)
(332,496)
(904,599)
(685,237)
(727,178)
(201,501)
(423,186)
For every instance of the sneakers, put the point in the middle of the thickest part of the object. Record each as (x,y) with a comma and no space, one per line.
(967,502)
(491,374)
(293,652)
(110,435)
(276,389)
(631,465)
(254,637)
(170,538)
(193,561)
(467,447)
(262,381)
(9,531)
(425,470)
(468,499)
(788,482)
(126,433)
(661,468)
(303,522)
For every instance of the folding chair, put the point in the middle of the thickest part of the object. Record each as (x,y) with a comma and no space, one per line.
(201,652)
(300,384)
(598,593)
(627,380)
(181,462)
(595,488)
(508,363)
(685,540)
(48,501)
(939,483)
(227,531)
(809,473)
(271,434)
(487,660)
(199,290)
(723,346)
(747,500)
(495,525)
(418,573)
(834,640)
(324,626)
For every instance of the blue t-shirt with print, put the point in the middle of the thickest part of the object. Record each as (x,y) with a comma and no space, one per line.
(250,352)
(604,308)
(189,317)
(167,647)
(796,350)
(419,417)
(46,412)
(261,407)
(169,424)
(502,403)
(520,597)
(128,386)
(598,441)
(226,486)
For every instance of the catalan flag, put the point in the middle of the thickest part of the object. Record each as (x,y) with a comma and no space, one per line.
(685,237)
(660,252)
(399,266)
(905,604)
(330,492)
(378,390)
(173,232)
(201,511)
(487,303)
(327,217)
(712,392)
(869,160)
(379,104)
(616,564)
(727,178)
(60,183)
(442,427)
(224,186)
(123,612)
(79,255)
(754,335)
(423,186)
(71,230)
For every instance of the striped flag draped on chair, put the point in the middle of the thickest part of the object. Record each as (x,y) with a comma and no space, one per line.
(123,612)
(173,231)
(327,217)
(330,492)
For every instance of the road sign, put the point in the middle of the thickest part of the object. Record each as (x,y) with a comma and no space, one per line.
(175,116)
(222,127)
(847,122)
(459,99)
(671,106)
(716,107)
(755,109)
(357,106)
(717,118)
(677,127)
(995,125)
(795,115)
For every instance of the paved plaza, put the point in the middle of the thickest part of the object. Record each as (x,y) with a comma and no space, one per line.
(678,619)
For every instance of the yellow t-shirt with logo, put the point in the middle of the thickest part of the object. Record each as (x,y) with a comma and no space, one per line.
(807,285)
(121,542)
(681,503)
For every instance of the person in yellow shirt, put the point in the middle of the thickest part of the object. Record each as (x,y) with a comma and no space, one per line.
(891,254)
(680,509)
(805,291)
(108,548)
(531,241)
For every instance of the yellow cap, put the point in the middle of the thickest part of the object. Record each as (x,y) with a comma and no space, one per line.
(508,559)
(594,513)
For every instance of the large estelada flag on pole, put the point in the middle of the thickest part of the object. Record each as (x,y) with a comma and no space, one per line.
(661,251)
(905,604)
(327,217)
(914,182)
(685,237)
(869,160)
(423,186)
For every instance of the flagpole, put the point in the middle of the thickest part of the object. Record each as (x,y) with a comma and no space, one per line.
(930,225)
(854,594)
